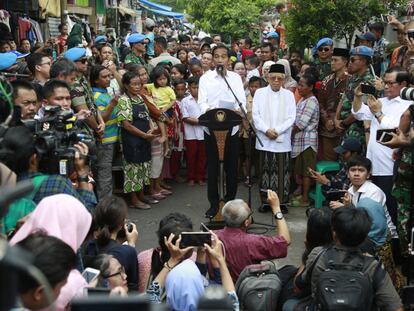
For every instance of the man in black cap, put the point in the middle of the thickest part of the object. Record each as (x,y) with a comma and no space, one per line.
(329,96)
(274,112)
(346,150)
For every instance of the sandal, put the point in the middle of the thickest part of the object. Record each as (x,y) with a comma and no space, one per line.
(165,192)
(141,205)
(158,196)
(150,200)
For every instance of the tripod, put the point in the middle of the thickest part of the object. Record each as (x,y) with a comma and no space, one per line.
(251,131)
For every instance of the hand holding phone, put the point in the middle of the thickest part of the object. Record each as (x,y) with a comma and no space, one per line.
(90,275)
(368,89)
(385,135)
(195,239)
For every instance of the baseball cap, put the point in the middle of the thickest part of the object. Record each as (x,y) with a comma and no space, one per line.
(349,144)
(368,36)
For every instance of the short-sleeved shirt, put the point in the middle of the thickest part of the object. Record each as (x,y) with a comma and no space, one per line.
(307,120)
(385,297)
(243,249)
(163,96)
(191,109)
(102,100)
(150,45)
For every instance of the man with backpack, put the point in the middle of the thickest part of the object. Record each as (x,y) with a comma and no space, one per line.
(341,277)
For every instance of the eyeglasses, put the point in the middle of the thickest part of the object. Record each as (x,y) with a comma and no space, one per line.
(82,60)
(324,49)
(121,272)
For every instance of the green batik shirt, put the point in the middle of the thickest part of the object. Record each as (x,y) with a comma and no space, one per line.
(81,94)
(356,129)
(132,58)
(324,68)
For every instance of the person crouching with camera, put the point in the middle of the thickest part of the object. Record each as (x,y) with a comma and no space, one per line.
(18,151)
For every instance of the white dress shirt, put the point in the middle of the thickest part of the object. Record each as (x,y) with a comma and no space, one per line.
(191,109)
(371,191)
(261,99)
(213,89)
(381,156)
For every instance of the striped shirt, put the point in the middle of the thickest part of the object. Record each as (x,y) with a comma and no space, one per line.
(102,100)
(307,119)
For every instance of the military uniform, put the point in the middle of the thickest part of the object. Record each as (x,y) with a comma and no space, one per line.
(134,59)
(81,94)
(323,68)
(356,129)
(402,193)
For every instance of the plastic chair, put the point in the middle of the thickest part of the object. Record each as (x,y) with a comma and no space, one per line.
(322,167)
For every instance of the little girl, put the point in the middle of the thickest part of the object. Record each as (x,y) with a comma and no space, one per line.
(164,98)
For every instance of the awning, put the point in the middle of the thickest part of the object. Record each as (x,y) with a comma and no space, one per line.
(156,5)
(166,13)
(124,10)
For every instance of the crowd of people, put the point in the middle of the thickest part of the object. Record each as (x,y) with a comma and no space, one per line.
(82,107)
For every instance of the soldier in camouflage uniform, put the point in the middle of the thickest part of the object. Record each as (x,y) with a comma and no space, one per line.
(359,68)
(81,93)
(137,54)
(324,48)
(403,184)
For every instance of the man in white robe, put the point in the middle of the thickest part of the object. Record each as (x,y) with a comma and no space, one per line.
(274,113)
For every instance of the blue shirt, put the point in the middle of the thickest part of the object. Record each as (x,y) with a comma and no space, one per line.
(150,44)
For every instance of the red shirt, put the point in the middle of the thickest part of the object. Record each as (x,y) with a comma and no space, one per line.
(243,249)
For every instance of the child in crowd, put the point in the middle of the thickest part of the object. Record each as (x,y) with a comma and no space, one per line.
(196,68)
(247,148)
(164,98)
(193,135)
(252,64)
(180,89)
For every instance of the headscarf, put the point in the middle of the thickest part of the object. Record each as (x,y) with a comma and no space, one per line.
(266,66)
(289,81)
(75,37)
(375,210)
(65,218)
(184,286)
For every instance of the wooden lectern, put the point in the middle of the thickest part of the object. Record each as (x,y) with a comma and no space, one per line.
(220,121)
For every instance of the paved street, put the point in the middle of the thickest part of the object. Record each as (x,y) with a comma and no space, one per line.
(192,201)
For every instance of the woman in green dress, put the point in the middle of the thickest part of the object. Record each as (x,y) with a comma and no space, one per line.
(136,136)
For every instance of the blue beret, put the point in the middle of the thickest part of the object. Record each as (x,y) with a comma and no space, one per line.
(75,54)
(362,51)
(136,38)
(7,60)
(272,34)
(100,39)
(324,41)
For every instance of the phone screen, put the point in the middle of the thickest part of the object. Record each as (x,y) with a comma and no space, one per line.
(368,89)
(90,274)
(385,135)
(195,239)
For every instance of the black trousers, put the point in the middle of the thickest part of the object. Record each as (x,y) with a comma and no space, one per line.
(231,154)
(385,183)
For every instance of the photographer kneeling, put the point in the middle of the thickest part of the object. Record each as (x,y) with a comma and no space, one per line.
(18,151)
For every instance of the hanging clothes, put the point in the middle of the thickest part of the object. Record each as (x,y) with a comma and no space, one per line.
(4,18)
(24,27)
(36,30)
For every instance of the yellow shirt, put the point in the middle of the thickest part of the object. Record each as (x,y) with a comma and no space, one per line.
(163,96)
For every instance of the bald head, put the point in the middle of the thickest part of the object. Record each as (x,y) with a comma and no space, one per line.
(235,212)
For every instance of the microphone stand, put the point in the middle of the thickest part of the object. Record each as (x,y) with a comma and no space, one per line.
(252,129)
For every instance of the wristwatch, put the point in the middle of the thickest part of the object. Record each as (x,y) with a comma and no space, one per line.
(279,215)
(378,114)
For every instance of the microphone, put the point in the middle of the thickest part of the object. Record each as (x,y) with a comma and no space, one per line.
(220,70)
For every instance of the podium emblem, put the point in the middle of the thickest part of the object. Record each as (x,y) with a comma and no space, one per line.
(220,116)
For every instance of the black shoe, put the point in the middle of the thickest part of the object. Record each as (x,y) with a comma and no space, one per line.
(264,208)
(211,212)
(284,209)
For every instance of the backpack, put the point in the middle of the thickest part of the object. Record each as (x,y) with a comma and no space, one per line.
(346,285)
(258,287)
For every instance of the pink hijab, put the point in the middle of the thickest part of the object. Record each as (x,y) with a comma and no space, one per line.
(65,218)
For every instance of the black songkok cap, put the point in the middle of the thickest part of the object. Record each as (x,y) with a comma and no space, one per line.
(341,52)
(278,68)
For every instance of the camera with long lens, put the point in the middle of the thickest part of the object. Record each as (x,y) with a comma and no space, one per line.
(55,136)
(407,93)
